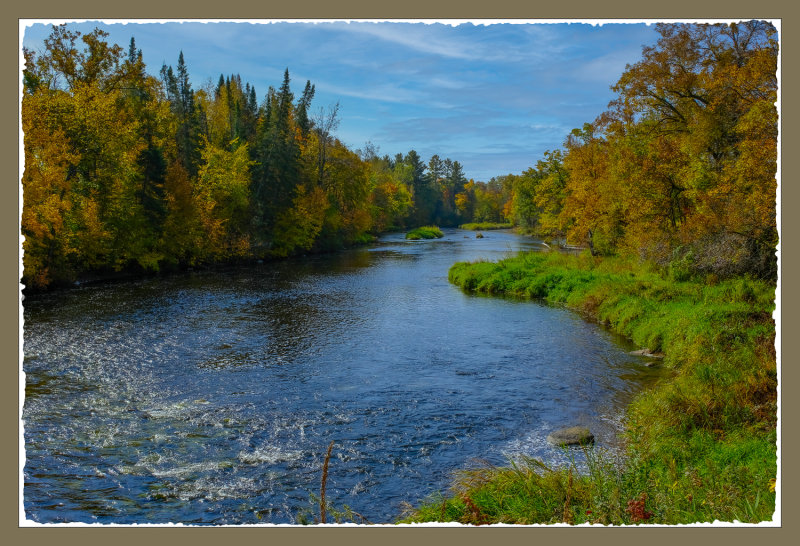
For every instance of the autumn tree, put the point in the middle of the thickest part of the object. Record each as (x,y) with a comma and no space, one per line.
(696,95)
(49,208)
(347,186)
(465,200)
(222,197)
(591,204)
(96,103)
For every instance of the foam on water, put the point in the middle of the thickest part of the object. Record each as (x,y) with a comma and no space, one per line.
(268,455)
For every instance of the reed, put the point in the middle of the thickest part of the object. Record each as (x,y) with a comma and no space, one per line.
(322,511)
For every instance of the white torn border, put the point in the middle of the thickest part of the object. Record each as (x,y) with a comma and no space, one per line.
(24,23)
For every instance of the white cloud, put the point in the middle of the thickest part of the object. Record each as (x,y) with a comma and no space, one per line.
(607,68)
(419,38)
(446,83)
(383,93)
(440,40)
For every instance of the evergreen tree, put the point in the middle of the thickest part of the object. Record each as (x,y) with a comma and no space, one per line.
(278,156)
(456,178)
(151,193)
(220,85)
(425,196)
(190,121)
(435,170)
(150,160)
(451,181)
(417,168)
(303,121)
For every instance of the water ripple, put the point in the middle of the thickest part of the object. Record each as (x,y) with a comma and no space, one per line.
(211,397)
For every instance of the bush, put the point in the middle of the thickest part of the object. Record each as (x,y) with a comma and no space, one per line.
(723,255)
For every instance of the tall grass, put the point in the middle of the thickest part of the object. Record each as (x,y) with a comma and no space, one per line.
(425,232)
(486,226)
(701,445)
(528,492)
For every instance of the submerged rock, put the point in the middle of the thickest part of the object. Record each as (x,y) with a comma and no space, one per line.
(479,235)
(647,353)
(571,436)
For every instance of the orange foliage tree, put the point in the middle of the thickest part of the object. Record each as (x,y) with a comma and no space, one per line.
(682,168)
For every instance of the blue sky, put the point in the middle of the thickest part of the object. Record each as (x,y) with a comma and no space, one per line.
(493,97)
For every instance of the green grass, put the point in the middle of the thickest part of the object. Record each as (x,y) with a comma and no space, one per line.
(701,445)
(425,232)
(485,226)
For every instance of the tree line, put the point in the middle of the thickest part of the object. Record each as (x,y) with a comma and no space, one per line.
(125,170)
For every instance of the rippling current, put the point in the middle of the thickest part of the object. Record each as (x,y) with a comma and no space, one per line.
(211,397)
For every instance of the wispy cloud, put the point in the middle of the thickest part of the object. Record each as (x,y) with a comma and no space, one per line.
(434,39)
(418,38)
(383,93)
(608,68)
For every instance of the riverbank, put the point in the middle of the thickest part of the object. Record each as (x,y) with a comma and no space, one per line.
(701,445)
(134,272)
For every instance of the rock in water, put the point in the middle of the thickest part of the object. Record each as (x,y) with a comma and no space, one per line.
(571,436)
(646,352)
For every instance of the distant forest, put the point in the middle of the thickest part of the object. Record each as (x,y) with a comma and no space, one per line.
(126,170)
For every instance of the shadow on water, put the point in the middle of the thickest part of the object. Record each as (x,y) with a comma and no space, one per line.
(210,397)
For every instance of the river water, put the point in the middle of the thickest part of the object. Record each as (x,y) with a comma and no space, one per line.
(211,397)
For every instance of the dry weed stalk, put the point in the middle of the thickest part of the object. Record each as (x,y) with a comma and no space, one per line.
(324,483)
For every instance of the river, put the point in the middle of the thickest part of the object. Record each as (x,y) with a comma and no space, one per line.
(210,397)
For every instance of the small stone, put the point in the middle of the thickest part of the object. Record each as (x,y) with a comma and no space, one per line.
(571,436)
(647,353)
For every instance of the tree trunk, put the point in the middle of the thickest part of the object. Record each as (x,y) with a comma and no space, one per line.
(591,245)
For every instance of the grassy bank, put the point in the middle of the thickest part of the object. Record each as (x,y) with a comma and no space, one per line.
(485,226)
(425,232)
(701,444)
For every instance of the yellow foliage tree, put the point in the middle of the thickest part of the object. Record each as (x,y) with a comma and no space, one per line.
(47,195)
(222,200)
